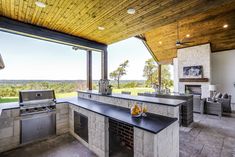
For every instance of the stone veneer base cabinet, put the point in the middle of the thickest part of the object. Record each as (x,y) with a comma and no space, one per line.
(163,144)
(146,144)
(9,129)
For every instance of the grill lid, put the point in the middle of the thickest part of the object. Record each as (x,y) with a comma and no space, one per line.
(28,96)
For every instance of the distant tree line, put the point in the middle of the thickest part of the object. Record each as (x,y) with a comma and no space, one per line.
(12,89)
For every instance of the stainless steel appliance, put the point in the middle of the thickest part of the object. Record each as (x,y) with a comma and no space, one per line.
(104,87)
(38,114)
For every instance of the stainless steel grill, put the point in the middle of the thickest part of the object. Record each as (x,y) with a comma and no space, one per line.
(37,101)
(38,114)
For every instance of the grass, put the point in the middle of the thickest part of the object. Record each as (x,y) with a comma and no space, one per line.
(15,99)
(134,91)
(8,99)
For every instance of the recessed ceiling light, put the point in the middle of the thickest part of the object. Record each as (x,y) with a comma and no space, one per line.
(160,42)
(40,4)
(131,11)
(188,35)
(101,28)
(225,26)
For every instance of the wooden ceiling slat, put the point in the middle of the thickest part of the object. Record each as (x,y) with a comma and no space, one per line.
(164,17)
(92,23)
(125,21)
(59,13)
(51,11)
(203,28)
(84,13)
(113,8)
(120,16)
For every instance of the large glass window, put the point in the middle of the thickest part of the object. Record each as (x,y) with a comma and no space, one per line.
(140,72)
(96,69)
(37,64)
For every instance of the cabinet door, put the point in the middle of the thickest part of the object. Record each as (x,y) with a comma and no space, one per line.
(81,125)
(37,127)
(47,126)
(29,130)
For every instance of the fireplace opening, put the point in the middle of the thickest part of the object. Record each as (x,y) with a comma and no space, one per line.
(120,139)
(193,89)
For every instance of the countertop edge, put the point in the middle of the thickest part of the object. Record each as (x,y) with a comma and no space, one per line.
(159,103)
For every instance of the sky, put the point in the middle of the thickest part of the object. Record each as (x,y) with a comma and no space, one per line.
(32,59)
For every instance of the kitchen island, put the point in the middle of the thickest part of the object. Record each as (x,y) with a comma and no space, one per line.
(186,110)
(97,124)
(151,136)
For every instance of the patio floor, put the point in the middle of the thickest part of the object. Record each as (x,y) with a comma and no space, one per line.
(60,146)
(209,136)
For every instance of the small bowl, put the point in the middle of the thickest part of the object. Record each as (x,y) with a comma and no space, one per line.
(136,115)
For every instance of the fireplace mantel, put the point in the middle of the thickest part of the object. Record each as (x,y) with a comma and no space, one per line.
(193,80)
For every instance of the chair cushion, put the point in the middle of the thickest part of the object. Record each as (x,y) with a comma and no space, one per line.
(218,95)
(225,96)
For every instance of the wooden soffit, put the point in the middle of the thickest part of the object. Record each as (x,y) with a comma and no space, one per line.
(83,17)
(205,27)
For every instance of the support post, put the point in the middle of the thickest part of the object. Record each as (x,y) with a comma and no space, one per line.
(104,64)
(160,76)
(89,70)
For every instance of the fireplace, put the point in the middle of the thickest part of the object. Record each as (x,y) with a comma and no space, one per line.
(193,89)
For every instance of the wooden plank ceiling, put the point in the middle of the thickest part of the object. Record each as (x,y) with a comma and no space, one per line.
(83,17)
(206,27)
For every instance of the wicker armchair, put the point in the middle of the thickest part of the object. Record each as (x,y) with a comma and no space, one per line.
(226,104)
(198,104)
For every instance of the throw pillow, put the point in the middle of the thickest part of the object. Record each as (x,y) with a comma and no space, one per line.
(218,95)
(225,96)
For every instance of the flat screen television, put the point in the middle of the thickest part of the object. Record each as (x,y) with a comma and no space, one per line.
(193,71)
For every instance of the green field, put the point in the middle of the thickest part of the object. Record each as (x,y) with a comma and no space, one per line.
(134,91)
(15,99)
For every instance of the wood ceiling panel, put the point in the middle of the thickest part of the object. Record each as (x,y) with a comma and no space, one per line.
(81,18)
(206,27)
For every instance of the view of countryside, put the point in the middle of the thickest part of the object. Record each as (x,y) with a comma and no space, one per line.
(9,89)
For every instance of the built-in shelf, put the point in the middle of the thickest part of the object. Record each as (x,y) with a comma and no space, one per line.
(193,80)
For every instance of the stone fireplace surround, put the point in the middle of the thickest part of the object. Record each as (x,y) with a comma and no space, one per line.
(193,89)
(192,56)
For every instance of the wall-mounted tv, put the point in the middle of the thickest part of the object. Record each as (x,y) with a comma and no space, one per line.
(193,71)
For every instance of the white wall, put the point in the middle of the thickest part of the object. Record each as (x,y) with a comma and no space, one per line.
(223,71)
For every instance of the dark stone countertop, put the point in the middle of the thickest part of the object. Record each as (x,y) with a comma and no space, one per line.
(170,95)
(152,123)
(147,99)
(7,106)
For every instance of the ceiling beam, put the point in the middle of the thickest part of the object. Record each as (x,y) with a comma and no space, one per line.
(20,28)
(143,39)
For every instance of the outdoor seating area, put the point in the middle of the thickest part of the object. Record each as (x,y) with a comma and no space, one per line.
(76,78)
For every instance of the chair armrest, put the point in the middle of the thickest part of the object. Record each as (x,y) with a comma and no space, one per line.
(208,99)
